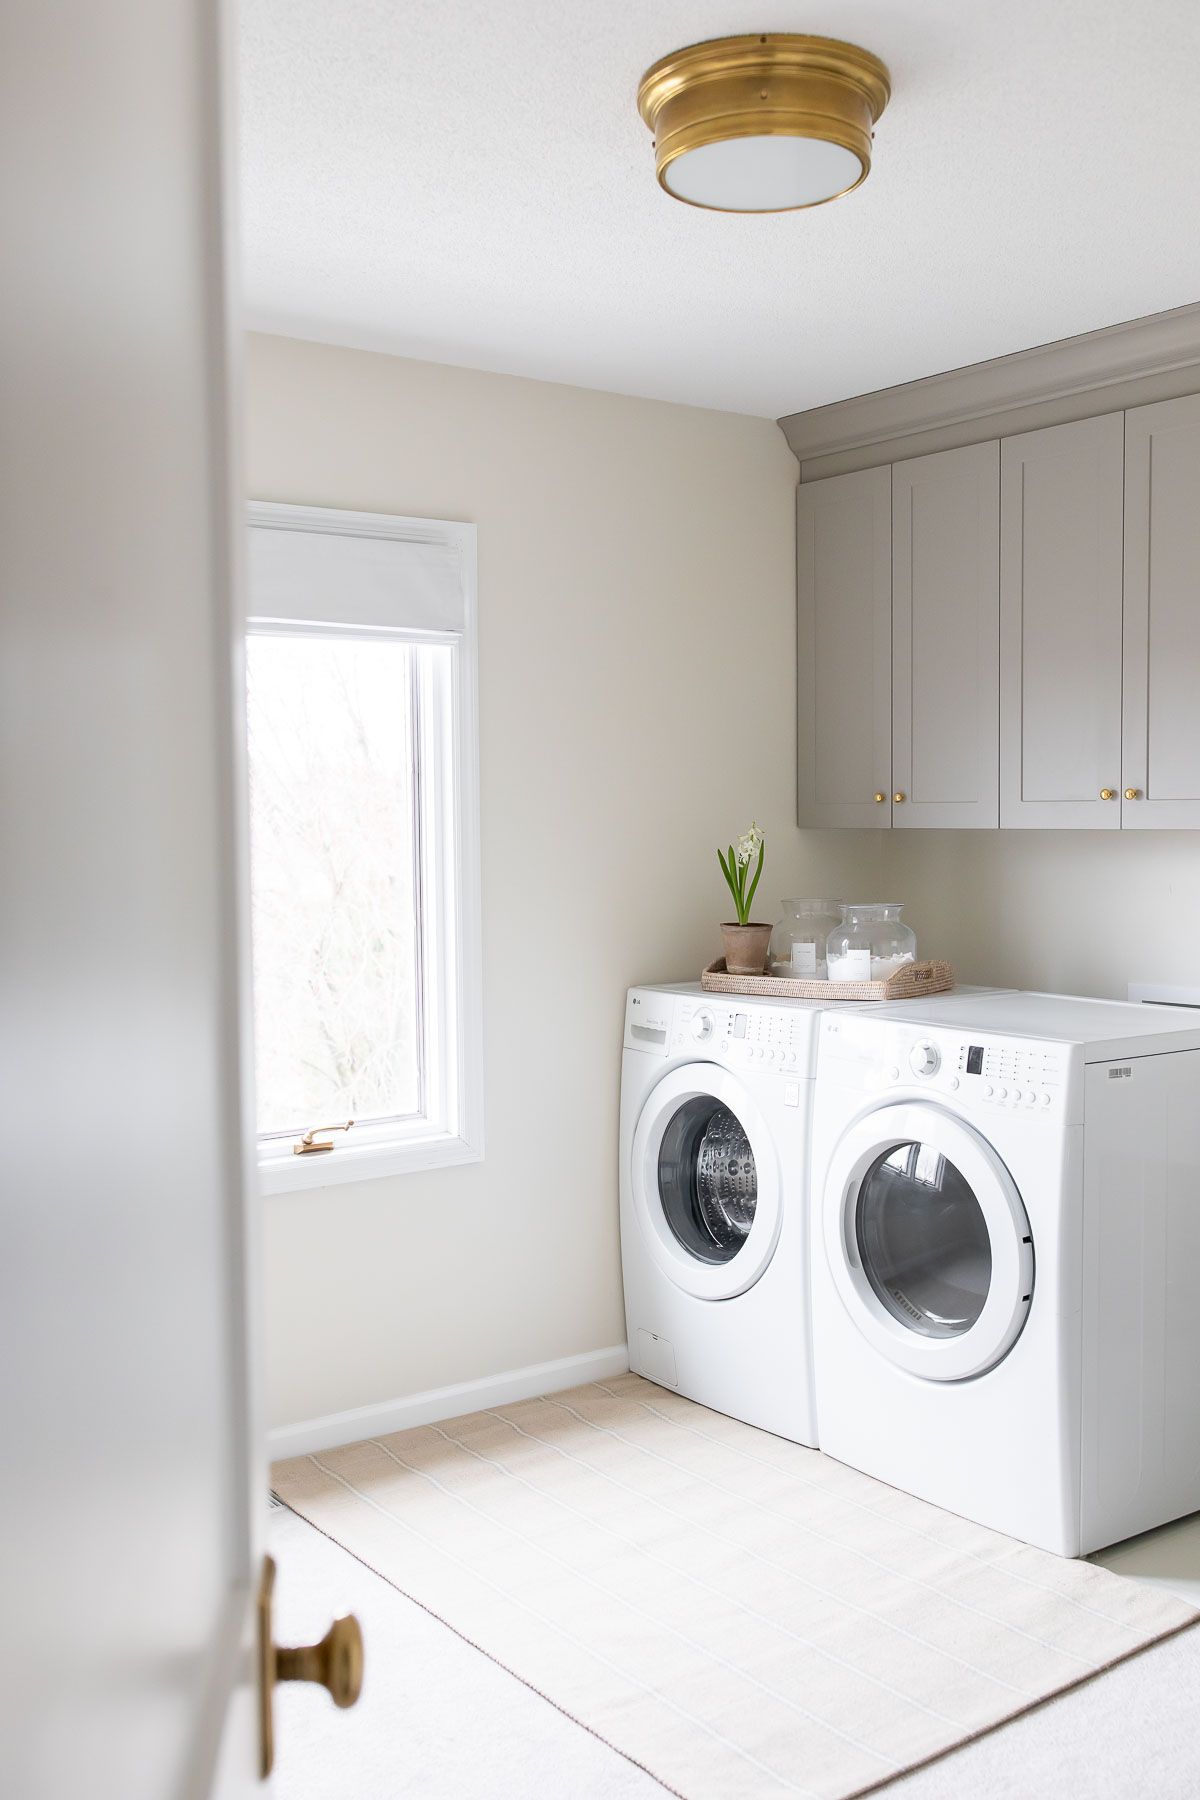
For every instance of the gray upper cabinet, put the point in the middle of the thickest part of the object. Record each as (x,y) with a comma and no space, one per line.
(1161,762)
(1061,498)
(946,639)
(1007,633)
(844,643)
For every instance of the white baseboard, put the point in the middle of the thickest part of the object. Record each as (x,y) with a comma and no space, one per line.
(446,1402)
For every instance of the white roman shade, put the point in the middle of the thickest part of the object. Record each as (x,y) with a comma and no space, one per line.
(369,569)
(385,599)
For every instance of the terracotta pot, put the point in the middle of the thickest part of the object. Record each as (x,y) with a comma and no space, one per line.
(746,948)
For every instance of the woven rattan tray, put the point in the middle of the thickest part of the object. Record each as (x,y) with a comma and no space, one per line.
(909,983)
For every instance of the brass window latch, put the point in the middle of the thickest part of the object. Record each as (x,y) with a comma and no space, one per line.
(308,1145)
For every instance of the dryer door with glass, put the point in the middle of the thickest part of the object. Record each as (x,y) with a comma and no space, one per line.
(928,1241)
(705,1182)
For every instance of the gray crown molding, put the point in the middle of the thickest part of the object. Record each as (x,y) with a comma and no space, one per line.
(1114,356)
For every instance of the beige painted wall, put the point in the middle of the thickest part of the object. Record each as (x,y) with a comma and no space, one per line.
(637,705)
(1075,912)
(622,545)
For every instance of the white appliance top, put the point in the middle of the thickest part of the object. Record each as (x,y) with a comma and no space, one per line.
(1104,1028)
(922,1007)
(692,990)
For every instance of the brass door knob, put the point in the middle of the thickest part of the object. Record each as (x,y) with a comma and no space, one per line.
(879,799)
(1133,793)
(335,1663)
(1108,793)
(899,799)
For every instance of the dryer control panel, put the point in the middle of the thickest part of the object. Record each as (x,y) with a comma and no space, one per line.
(1013,1073)
(991,1071)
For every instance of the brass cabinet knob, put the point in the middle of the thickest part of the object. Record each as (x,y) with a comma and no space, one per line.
(879,799)
(1108,793)
(335,1663)
(1133,793)
(899,799)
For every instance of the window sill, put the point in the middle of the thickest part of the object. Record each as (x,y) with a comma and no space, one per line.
(285,1174)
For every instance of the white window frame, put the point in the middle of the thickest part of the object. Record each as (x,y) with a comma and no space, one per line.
(448,820)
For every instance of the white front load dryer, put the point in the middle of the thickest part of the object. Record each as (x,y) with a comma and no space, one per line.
(715,1113)
(1006,1255)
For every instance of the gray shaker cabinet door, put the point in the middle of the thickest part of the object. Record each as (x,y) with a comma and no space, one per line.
(1161,753)
(844,649)
(1061,497)
(946,638)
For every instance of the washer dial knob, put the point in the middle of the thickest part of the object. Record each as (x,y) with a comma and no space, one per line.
(702,1026)
(923,1059)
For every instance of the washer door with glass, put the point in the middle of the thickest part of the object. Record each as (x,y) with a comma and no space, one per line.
(928,1241)
(705,1182)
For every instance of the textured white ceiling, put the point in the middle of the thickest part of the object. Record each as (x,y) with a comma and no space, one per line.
(470,183)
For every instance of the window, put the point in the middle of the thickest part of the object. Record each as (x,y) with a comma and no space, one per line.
(363,843)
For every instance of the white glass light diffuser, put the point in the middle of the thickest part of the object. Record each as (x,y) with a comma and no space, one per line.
(771,122)
(762,174)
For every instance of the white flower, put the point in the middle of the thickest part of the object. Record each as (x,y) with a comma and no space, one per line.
(748,843)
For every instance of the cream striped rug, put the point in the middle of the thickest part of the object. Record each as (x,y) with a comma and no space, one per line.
(742,1618)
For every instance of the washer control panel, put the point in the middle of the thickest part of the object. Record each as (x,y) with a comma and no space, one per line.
(728,1030)
(1015,1074)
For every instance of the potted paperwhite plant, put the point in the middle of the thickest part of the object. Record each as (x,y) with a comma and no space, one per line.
(745,944)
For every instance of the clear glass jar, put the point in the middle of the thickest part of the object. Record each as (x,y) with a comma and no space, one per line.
(798,941)
(870,944)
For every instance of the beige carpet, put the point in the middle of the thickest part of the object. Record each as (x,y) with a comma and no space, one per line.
(738,1616)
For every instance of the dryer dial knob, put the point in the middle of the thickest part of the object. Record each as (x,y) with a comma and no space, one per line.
(702,1026)
(923,1059)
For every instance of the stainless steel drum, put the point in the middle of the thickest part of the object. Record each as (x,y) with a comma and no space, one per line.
(726,1180)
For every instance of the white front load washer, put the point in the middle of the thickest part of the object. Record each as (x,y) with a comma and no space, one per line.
(1006,1258)
(715,1114)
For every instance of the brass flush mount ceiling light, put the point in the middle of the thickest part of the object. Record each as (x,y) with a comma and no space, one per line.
(765,123)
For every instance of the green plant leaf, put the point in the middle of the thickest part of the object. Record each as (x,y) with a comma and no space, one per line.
(762,851)
(728,877)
